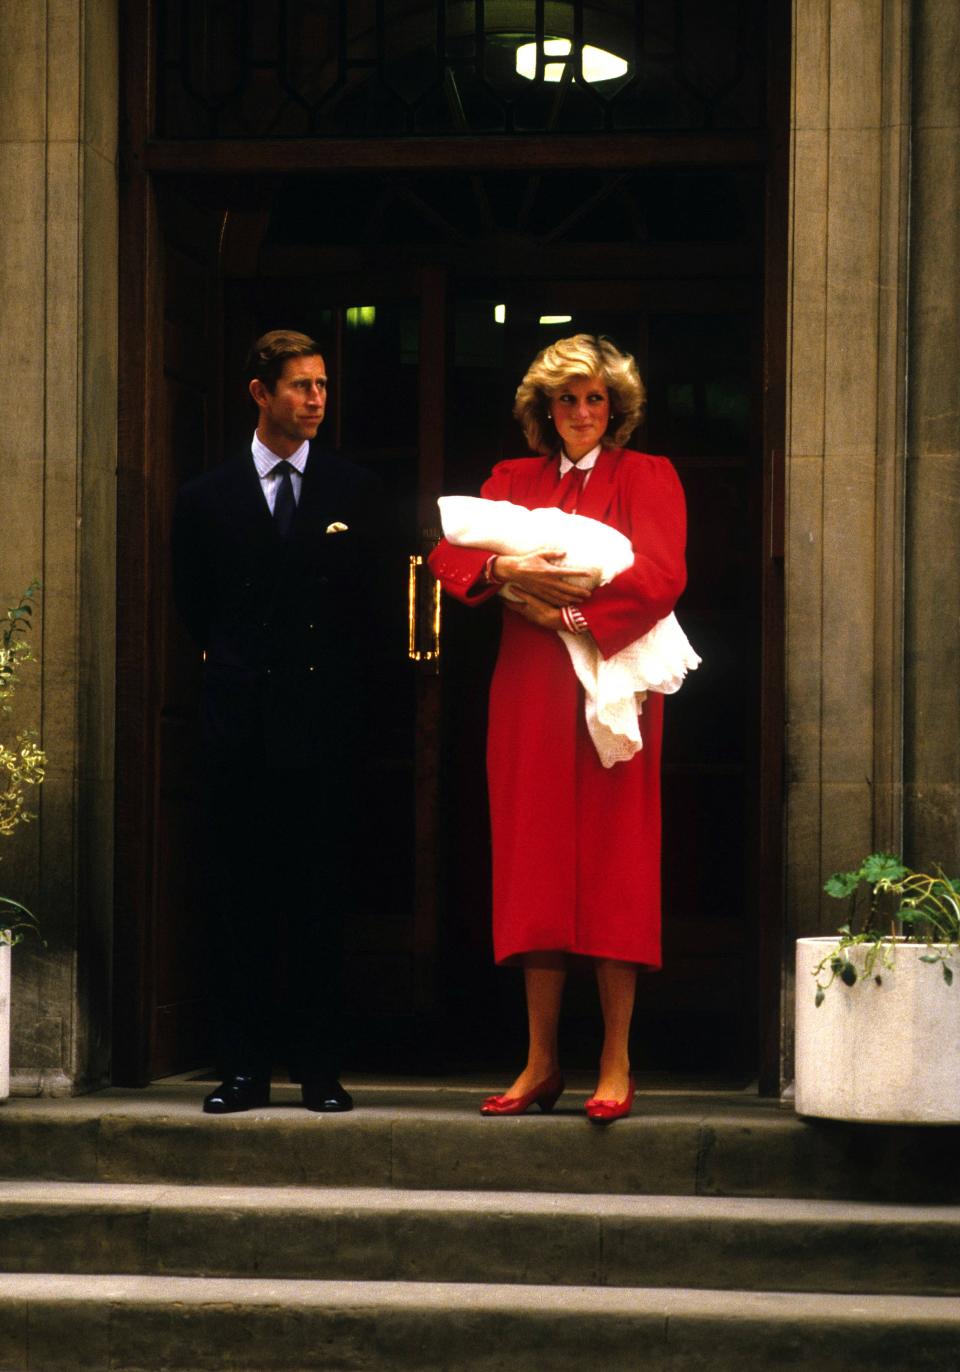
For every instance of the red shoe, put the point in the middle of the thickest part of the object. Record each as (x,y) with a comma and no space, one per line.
(606,1111)
(545,1094)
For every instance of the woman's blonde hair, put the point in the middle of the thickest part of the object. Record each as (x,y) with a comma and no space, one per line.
(581,355)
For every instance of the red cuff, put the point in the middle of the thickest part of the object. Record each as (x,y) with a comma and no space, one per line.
(573,620)
(488,571)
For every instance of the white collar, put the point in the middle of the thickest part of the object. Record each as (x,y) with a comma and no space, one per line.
(586,463)
(266,459)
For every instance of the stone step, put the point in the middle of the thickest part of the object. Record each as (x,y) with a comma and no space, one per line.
(698,1143)
(52,1322)
(459,1236)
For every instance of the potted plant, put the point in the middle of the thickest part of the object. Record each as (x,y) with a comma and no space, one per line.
(22,764)
(878,1009)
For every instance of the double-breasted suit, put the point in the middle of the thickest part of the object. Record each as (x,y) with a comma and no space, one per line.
(284,625)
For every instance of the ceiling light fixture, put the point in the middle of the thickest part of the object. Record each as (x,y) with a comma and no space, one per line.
(555,318)
(598,65)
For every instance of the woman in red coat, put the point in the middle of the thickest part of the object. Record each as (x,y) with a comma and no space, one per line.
(576,846)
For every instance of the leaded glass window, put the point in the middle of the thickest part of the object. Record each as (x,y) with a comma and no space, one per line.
(389,68)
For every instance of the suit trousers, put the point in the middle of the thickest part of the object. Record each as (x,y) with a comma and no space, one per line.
(279,865)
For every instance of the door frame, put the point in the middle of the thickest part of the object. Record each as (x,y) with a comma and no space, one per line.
(141,558)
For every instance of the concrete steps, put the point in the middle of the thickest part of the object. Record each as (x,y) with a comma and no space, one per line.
(708,1231)
(87,1323)
(704,1143)
(505,1237)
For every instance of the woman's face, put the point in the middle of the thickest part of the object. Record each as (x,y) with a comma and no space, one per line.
(580,411)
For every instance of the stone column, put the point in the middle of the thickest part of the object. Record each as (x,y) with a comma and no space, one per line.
(932,800)
(58,296)
(845,449)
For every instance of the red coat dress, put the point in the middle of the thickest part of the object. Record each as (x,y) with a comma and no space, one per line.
(576,846)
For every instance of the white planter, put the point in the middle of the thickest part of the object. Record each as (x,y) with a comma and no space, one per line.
(4,1020)
(887,1053)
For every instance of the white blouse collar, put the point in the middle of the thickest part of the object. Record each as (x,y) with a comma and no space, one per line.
(586,463)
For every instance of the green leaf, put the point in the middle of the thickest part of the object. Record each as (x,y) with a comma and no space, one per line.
(848,974)
(842,884)
(929,957)
(818,998)
(947,974)
(882,867)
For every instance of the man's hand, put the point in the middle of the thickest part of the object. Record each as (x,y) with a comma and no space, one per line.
(539,575)
(535,611)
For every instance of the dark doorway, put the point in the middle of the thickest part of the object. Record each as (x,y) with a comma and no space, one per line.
(427,329)
(421,213)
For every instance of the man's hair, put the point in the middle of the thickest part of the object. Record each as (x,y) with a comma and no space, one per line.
(266,359)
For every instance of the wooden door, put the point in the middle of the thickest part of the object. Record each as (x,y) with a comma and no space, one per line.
(384,333)
(169,427)
(180,1006)
(384,341)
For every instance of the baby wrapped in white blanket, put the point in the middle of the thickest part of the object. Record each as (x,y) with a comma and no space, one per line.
(615,687)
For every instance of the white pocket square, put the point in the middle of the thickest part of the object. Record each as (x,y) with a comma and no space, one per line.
(336,528)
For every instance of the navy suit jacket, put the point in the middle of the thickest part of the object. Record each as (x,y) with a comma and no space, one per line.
(285,624)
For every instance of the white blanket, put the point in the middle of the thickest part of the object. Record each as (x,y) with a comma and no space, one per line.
(614,687)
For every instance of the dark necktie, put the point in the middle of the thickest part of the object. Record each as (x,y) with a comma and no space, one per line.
(284,507)
(570,487)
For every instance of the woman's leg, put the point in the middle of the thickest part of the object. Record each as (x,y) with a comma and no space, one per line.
(617,984)
(544,975)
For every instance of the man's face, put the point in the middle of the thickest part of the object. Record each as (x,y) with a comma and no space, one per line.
(294,409)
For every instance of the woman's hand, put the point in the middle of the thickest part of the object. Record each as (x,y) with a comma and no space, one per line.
(535,611)
(539,575)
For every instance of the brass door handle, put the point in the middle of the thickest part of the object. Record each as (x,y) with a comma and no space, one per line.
(417,593)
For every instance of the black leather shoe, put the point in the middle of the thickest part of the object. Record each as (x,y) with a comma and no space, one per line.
(327,1096)
(235,1094)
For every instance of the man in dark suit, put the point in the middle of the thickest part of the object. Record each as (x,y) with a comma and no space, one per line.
(274,561)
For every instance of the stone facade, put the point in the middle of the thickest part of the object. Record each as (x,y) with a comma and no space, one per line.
(873,469)
(58,287)
(873,730)
(846,390)
(932,678)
